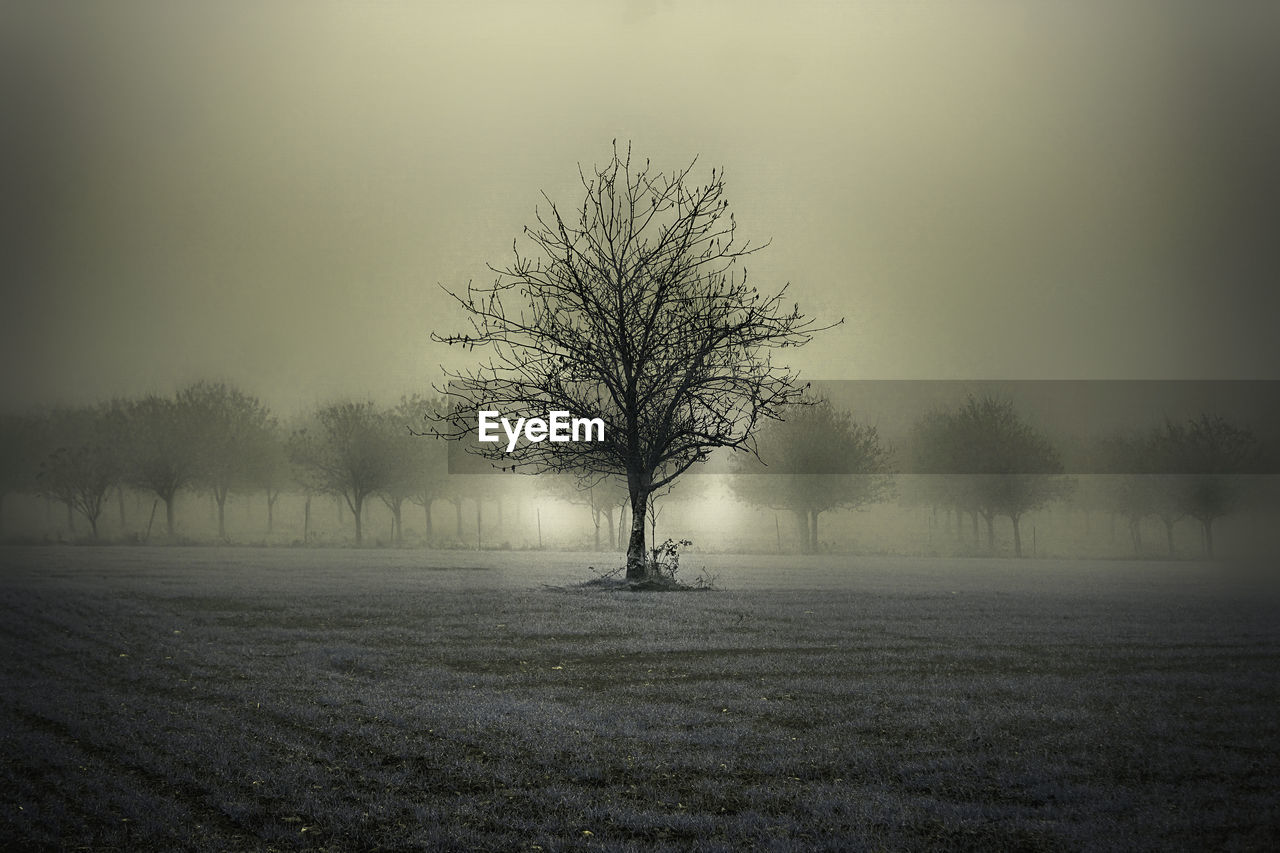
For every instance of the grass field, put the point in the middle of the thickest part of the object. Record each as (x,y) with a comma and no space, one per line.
(244,699)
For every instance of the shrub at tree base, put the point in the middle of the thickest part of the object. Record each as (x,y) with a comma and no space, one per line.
(660,574)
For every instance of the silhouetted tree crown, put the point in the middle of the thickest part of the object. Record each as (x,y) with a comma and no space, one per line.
(346,451)
(818,459)
(1210,455)
(232,440)
(163,453)
(989,461)
(83,458)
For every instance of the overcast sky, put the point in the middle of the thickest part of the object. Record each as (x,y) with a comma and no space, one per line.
(271,194)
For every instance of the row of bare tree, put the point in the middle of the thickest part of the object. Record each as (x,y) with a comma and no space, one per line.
(214,438)
(982,459)
(986,461)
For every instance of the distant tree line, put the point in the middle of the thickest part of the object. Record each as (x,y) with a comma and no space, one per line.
(981,460)
(816,460)
(1198,469)
(984,460)
(213,438)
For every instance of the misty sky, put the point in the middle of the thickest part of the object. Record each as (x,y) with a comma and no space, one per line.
(270,194)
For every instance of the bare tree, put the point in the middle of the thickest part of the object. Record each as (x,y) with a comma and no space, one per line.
(271,469)
(818,459)
(232,440)
(422,466)
(601,497)
(17,457)
(1132,483)
(345,453)
(992,462)
(939,457)
(1143,481)
(85,460)
(163,454)
(629,309)
(1211,456)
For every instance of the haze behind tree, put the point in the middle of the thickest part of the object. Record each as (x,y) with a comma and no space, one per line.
(267,194)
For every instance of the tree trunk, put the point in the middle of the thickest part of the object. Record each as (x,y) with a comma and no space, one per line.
(120,500)
(802,530)
(813,531)
(146,537)
(271,510)
(457,508)
(990,519)
(397,532)
(221,500)
(479,529)
(168,513)
(973,514)
(636,559)
(595,520)
(608,516)
(1135,534)
(357,510)
(306,521)
(93,527)
(1017,536)
(426,514)
(622,528)
(71,520)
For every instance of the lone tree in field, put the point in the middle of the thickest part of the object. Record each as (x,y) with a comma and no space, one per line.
(629,308)
(816,460)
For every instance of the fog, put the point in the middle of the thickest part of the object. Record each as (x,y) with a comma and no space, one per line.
(270,196)
(273,197)
(1048,229)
